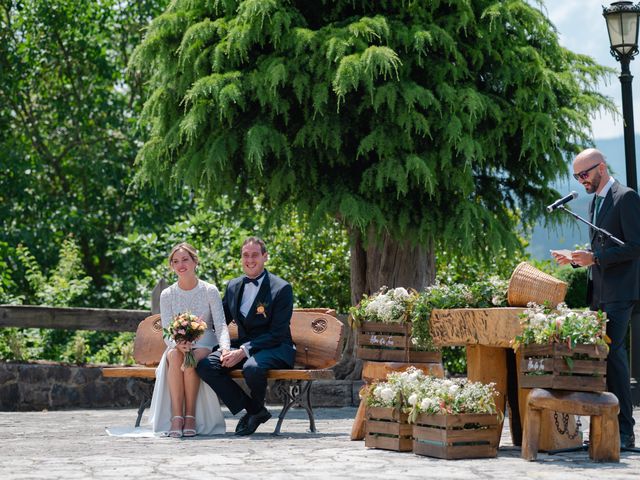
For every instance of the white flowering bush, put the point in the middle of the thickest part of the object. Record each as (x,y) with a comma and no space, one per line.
(437,396)
(542,325)
(395,391)
(414,392)
(387,306)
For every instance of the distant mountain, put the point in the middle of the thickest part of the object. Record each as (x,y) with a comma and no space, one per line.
(574,232)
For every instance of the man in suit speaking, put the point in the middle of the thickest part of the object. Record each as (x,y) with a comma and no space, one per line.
(261,304)
(614,278)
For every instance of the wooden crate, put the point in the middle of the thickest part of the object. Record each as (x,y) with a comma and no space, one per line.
(388,429)
(546,366)
(385,342)
(456,436)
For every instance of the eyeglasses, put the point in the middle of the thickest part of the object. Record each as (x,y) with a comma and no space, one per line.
(583,175)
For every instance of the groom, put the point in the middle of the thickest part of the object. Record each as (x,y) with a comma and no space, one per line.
(262,305)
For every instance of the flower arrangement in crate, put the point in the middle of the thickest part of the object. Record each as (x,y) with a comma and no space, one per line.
(384,322)
(386,421)
(452,418)
(394,324)
(562,349)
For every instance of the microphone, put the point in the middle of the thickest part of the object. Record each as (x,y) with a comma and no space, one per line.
(558,203)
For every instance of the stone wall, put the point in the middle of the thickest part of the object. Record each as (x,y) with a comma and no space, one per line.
(54,386)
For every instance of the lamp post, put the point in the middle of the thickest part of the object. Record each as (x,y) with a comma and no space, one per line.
(622,25)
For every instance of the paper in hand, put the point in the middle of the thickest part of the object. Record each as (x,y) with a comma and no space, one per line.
(563,253)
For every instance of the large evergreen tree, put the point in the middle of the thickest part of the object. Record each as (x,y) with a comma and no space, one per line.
(419,124)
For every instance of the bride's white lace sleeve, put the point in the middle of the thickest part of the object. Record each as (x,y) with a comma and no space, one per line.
(219,322)
(166,313)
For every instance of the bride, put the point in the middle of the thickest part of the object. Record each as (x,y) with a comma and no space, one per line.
(182,404)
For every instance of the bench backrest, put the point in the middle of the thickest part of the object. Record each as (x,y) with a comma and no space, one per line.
(318,336)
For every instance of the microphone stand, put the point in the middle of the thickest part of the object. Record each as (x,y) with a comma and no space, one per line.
(603,233)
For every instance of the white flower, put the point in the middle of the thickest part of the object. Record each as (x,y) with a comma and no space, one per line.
(387,394)
(426,404)
(413,399)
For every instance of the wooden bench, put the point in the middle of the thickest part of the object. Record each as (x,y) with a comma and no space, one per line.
(602,408)
(318,336)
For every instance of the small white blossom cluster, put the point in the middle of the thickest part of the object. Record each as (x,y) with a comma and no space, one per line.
(437,396)
(396,389)
(415,392)
(541,325)
(389,307)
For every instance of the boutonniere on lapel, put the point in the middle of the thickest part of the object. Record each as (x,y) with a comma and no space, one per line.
(261,309)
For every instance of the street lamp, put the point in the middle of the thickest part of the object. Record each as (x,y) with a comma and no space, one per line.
(622,24)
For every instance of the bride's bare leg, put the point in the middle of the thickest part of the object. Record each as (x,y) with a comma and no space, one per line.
(176,387)
(191,387)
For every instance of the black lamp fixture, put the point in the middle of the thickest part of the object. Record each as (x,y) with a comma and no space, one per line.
(622,24)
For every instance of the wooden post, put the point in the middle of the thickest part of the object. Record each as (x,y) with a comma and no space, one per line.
(531,434)
(486,365)
(155,295)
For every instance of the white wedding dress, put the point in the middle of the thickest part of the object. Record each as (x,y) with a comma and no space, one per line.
(203,301)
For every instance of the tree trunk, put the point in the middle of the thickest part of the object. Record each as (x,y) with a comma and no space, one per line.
(382,261)
(385,261)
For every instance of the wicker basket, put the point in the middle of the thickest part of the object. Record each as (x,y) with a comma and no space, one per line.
(528,284)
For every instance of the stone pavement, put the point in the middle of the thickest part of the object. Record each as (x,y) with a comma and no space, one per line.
(73,444)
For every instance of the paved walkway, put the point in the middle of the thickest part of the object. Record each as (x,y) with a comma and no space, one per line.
(67,445)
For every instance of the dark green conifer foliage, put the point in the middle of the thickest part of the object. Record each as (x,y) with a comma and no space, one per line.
(419,124)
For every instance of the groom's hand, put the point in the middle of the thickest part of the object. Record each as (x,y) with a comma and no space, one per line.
(230,359)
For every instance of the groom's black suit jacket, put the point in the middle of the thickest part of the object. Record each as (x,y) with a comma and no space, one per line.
(616,277)
(259,331)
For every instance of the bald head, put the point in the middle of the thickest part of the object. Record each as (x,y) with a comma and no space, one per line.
(590,167)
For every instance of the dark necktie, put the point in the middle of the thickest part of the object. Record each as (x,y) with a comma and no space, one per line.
(596,207)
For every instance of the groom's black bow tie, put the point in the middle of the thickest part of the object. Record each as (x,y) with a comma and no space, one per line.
(246,280)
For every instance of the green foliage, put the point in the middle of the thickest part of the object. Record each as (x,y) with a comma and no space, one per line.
(431,121)
(315,262)
(65,285)
(576,279)
(68,133)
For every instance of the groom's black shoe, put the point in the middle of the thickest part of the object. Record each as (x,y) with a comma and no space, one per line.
(254,421)
(242,423)
(627,441)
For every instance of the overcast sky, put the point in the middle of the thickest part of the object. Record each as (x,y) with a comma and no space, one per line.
(582,29)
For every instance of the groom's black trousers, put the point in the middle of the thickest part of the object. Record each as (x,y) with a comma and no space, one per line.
(254,370)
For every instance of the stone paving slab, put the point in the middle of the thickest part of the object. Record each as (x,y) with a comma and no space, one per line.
(73,445)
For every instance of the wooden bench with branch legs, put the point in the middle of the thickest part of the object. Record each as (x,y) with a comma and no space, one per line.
(318,336)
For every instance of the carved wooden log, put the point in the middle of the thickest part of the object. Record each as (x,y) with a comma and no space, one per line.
(491,327)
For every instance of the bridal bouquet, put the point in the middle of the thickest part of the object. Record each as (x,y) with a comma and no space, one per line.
(186,327)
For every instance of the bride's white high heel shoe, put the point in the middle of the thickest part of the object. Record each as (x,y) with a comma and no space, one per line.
(189,432)
(177,433)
